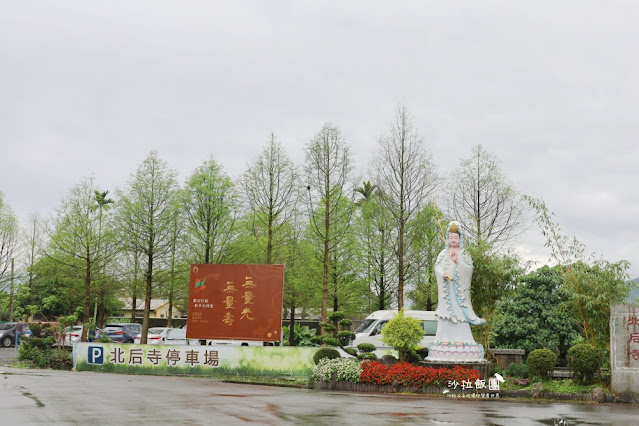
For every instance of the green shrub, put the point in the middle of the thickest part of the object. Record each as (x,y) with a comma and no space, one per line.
(331,341)
(404,334)
(37,350)
(47,330)
(366,347)
(350,351)
(61,360)
(36,329)
(318,340)
(541,363)
(328,327)
(329,353)
(414,357)
(345,324)
(336,316)
(366,356)
(33,354)
(345,337)
(584,361)
(515,369)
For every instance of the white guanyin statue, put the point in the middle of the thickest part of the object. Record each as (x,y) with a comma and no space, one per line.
(454,270)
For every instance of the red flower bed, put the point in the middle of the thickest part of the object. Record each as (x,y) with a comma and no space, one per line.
(406,374)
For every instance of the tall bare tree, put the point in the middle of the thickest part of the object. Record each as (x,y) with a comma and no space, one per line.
(147,210)
(9,230)
(426,242)
(405,175)
(330,186)
(271,187)
(33,240)
(210,204)
(74,239)
(375,234)
(8,237)
(484,201)
(178,266)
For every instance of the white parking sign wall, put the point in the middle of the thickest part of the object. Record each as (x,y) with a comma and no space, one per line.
(200,360)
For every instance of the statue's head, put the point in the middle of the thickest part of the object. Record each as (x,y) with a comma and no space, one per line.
(454,235)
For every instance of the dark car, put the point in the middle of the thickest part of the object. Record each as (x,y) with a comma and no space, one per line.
(8,333)
(122,333)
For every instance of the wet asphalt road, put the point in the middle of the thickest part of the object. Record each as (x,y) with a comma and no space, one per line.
(7,355)
(62,397)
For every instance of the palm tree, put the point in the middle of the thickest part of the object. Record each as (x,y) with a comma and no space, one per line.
(367,190)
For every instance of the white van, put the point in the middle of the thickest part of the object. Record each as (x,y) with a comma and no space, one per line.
(370,330)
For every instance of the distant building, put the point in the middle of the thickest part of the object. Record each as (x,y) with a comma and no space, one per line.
(159,309)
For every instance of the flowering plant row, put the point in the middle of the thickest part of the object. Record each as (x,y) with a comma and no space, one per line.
(406,374)
(345,369)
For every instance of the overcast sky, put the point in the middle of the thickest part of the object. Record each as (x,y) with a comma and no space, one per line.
(550,87)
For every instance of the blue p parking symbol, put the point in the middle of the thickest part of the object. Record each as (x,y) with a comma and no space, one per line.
(96,355)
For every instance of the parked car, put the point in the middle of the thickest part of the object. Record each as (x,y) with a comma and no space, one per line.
(177,336)
(8,334)
(155,336)
(122,332)
(72,335)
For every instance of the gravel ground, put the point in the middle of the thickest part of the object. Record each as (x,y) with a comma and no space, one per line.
(7,355)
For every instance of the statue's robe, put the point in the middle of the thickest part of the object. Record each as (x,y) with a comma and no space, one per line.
(454,309)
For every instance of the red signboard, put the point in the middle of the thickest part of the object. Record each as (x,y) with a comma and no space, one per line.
(242,302)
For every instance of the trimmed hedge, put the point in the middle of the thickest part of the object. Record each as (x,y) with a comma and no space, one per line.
(329,353)
(541,362)
(585,362)
(367,356)
(366,347)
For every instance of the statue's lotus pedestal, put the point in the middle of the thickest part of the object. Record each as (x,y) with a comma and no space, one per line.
(468,351)
(467,355)
(484,367)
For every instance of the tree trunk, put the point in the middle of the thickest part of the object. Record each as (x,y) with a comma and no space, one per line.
(134,296)
(147,301)
(134,303)
(400,265)
(87,297)
(101,309)
(291,327)
(11,291)
(269,243)
(327,225)
(429,300)
(169,323)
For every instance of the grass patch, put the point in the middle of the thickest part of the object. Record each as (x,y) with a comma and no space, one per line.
(567,386)
(223,372)
(552,385)
(514,383)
